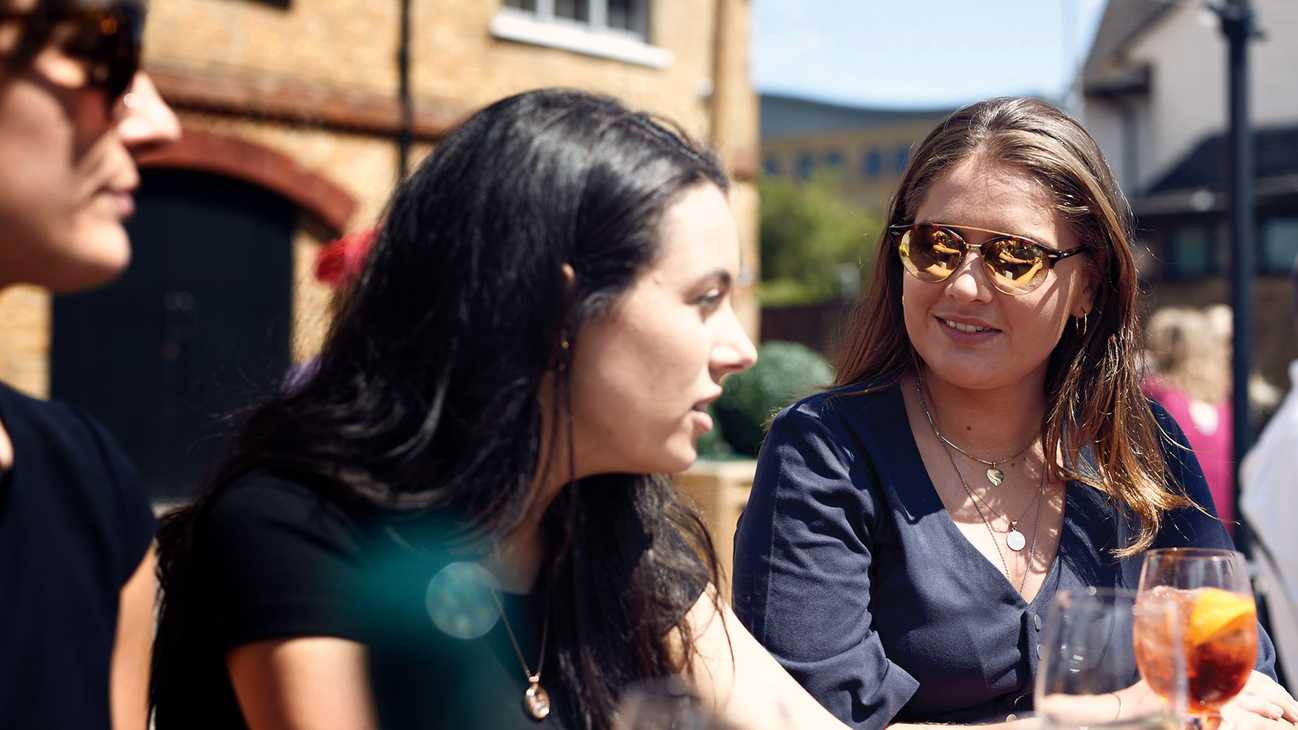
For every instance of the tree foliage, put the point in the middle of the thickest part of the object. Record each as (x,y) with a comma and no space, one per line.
(813,241)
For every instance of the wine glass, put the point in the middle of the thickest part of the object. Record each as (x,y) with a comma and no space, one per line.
(1208,622)
(1088,660)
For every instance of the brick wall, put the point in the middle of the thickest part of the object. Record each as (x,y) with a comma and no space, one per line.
(317,82)
(331,43)
(25,339)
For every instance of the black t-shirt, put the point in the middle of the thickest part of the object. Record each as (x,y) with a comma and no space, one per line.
(275,559)
(74,526)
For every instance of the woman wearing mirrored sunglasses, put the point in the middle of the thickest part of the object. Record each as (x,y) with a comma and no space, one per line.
(76,568)
(986,445)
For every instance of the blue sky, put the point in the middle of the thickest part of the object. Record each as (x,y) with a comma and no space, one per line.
(920,52)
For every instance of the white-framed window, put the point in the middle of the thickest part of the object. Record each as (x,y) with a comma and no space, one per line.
(617,29)
(621,17)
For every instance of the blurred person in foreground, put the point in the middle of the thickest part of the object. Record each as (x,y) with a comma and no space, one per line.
(76,567)
(1269,482)
(451,521)
(1189,377)
(986,446)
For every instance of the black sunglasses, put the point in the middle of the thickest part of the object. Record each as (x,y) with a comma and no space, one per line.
(1016,265)
(108,40)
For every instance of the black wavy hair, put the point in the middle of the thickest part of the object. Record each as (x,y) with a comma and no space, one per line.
(425,398)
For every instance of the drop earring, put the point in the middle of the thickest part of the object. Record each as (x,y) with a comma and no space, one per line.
(565,352)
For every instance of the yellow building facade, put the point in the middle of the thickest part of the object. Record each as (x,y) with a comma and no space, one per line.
(863,149)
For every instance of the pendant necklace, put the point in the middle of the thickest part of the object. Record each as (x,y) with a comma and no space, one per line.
(536,701)
(1014,538)
(994,474)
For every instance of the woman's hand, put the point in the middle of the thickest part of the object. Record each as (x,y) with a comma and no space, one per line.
(1262,703)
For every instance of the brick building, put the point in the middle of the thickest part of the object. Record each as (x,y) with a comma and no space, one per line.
(294,123)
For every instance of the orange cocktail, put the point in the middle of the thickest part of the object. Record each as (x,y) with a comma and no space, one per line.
(1217,632)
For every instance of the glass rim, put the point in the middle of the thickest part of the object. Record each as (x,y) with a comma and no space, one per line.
(1194,552)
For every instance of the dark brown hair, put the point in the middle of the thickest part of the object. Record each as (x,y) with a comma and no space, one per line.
(1092,384)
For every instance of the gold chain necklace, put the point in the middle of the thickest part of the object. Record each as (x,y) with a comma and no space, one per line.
(535,699)
(994,474)
(1013,537)
(1036,527)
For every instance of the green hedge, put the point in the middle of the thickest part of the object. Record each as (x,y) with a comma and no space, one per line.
(785,372)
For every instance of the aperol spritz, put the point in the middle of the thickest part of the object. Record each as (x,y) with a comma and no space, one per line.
(1196,607)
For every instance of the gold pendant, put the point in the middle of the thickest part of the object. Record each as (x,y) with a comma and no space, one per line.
(995,476)
(536,700)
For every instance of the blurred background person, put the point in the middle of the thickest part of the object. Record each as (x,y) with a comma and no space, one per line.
(76,567)
(1269,486)
(1187,356)
(1263,397)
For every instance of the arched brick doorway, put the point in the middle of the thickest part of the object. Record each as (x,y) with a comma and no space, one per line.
(200,323)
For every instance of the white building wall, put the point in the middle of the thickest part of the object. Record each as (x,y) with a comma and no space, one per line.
(1103,119)
(1188,96)
(1123,131)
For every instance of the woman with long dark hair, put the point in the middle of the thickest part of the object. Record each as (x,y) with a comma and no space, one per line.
(986,446)
(76,529)
(449,522)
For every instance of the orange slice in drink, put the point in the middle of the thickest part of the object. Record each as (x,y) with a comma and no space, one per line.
(1216,611)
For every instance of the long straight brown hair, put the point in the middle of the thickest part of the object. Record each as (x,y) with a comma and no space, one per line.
(1093,379)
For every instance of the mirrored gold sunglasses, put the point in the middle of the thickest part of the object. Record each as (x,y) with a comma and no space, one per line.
(931,252)
(107,39)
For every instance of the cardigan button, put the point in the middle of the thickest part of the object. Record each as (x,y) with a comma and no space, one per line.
(1018,701)
(1011,717)
(1036,621)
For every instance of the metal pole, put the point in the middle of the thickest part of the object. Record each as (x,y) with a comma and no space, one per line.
(1237,25)
(406,135)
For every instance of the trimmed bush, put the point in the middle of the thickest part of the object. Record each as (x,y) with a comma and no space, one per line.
(785,371)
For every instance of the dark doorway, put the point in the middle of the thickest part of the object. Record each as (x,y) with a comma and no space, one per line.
(197,327)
